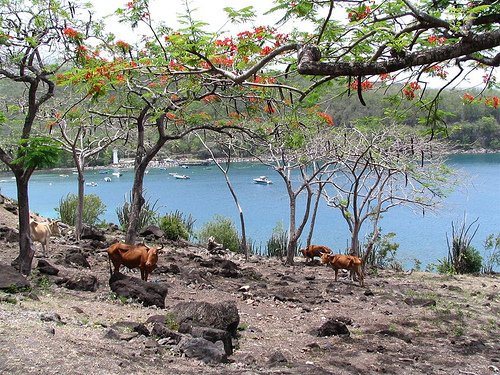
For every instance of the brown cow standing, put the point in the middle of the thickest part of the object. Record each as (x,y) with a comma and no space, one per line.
(41,232)
(346,262)
(143,257)
(312,251)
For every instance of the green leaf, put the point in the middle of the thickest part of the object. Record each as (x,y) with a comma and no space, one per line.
(38,152)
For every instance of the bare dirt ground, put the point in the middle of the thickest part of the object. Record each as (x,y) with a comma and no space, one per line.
(460,334)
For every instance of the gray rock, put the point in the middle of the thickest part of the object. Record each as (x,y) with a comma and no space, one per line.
(76,258)
(424,302)
(204,350)
(152,230)
(147,293)
(10,277)
(46,268)
(83,282)
(332,327)
(9,234)
(92,233)
(214,335)
(220,315)
(277,359)
(161,331)
(140,328)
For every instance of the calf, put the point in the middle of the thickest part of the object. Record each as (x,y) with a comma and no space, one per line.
(312,251)
(143,257)
(346,262)
(41,232)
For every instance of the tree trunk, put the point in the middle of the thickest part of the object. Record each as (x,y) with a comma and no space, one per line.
(136,204)
(292,239)
(314,214)
(79,207)
(26,248)
(242,218)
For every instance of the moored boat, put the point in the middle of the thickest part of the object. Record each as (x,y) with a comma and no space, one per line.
(262,180)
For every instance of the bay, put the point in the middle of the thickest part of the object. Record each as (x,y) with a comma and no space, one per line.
(421,237)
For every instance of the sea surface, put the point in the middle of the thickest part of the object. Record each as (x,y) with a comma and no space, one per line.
(205,193)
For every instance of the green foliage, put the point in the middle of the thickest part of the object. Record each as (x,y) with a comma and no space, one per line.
(463,257)
(170,321)
(92,209)
(278,243)
(492,250)
(223,230)
(383,253)
(147,216)
(43,282)
(473,260)
(174,227)
(38,152)
(444,267)
(13,289)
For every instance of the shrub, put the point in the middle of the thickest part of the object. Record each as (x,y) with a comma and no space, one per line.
(147,216)
(173,227)
(93,208)
(223,230)
(473,261)
(383,254)
(492,251)
(463,257)
(277,245)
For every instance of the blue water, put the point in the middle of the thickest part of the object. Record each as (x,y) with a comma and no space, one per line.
(206,194)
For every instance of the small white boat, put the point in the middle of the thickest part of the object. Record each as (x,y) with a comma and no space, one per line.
(180,176)
(94,184)
(107,179)
(117,174)
(262,180)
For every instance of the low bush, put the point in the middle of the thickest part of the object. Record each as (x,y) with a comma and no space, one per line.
(92,209)
(173,227)
(147,216)
(278,243)
(223,230)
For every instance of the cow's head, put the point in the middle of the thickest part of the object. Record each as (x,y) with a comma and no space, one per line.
(325,258)
(153,253)
(54,228)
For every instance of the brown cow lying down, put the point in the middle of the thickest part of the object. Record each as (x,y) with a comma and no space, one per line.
(143,257)
(312,251)
(346,262)
(41,232)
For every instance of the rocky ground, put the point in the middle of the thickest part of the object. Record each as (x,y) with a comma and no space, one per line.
(418,323)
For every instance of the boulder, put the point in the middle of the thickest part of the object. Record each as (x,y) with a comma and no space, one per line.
(147,293)
(92,233)
(220,315)
(140,328)
(82,282)
(214,335)
(424,302)
(204,350)
(152,230)
(75,258)
(161,331)
(10,277)
(46,268)
(9,234)
(332,327)
(277,359)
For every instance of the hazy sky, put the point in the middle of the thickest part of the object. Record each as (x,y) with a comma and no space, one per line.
(210,12)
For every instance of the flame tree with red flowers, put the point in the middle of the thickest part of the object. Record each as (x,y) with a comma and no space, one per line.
(33,49)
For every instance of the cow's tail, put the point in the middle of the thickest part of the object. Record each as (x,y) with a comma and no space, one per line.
(111,248)
(110,268)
